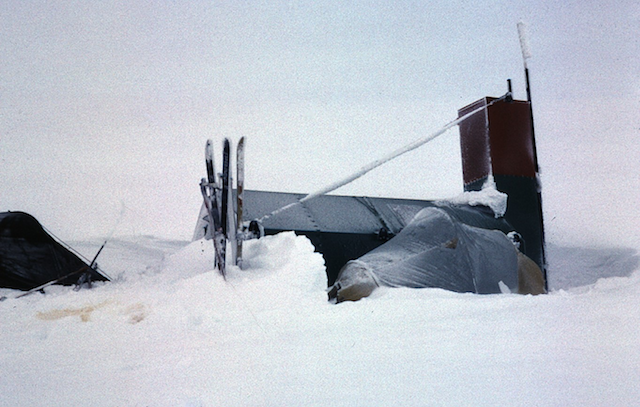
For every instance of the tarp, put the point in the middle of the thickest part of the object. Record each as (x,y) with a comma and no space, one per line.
(30,257)
(437,250)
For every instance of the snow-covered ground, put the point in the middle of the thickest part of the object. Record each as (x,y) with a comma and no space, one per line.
(169,331)
(107,105)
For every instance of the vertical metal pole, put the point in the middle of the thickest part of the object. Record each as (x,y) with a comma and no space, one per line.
(526,54)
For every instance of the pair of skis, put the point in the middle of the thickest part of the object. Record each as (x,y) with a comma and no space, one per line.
(223,217)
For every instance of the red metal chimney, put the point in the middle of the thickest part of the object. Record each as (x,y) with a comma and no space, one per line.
(498,141)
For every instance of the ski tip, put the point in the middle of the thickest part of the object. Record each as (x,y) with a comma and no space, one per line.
(208,149)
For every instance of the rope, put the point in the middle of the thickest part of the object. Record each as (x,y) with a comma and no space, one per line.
(377,163)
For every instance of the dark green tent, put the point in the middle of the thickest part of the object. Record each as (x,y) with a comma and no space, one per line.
(30,257)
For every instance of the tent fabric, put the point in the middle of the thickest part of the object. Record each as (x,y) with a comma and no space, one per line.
(436,250)
(30,257)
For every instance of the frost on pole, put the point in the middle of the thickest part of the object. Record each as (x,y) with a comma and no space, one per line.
(524,41)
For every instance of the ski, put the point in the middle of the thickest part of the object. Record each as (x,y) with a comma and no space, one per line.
(231,221)
(209,188)
(223,218)
(209,160)
(239,199)
(225,184)
(226,211)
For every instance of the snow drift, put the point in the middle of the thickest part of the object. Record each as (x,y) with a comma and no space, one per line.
(171,332)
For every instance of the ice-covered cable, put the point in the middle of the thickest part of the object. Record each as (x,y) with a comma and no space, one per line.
(377,163)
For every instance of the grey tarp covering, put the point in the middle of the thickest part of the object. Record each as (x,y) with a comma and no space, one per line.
(434,250)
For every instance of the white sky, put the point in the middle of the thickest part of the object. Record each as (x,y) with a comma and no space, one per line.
(110,102)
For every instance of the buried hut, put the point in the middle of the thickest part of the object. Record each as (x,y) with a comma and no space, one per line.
(459,246)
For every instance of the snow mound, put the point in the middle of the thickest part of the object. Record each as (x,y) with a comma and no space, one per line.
(488,196)
(275,261)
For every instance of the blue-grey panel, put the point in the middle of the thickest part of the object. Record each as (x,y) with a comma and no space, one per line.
(331,213)
(260,203)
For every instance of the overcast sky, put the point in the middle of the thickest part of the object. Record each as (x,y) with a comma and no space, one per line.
(104,103)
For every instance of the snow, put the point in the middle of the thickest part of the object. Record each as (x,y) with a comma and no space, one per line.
(488,196)
(524,42)
(169,331)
